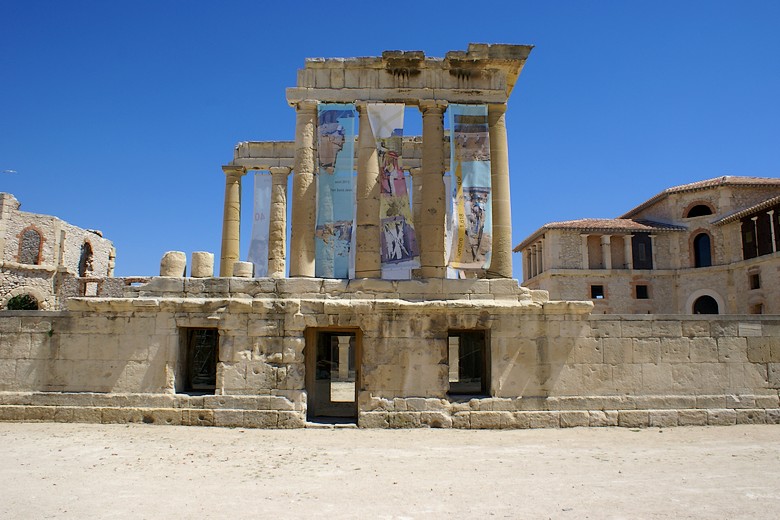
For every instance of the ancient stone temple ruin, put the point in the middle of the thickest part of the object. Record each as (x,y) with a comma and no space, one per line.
(363,323)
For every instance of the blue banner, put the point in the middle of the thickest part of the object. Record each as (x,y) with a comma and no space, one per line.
(335,190)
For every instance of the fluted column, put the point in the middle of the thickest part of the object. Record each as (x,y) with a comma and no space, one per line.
(231,219)
(367,245)
(277,226)
(501,256)
(771,214)
(304,210)
(433,210)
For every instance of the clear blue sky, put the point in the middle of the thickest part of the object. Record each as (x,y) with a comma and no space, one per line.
(119,115)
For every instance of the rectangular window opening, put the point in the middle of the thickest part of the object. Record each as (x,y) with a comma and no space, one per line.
(197,367)
(597,292)
(642,292)
(755,281)
(468,362)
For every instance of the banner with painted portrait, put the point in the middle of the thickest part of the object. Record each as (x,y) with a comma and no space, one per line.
(398,243)
(471,222)
(335,190)
(258,246)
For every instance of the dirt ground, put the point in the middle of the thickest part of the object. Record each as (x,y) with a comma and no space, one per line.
(144,471)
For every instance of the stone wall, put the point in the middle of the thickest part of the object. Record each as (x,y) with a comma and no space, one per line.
(551,363)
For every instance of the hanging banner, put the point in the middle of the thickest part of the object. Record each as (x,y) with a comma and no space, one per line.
(258,247)
(398,244)
(335,190)
(471,201)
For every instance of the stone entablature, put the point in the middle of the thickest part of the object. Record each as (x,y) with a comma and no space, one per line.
(482,74)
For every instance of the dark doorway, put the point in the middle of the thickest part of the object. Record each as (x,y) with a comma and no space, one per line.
(705,305)
(200,352)
(332,361)
(468,362)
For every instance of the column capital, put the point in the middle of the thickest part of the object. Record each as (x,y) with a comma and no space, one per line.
(495,111)
(306,104)
(280,170)
(231,169)
(432,104)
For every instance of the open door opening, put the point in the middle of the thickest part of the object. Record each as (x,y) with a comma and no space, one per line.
(332,361)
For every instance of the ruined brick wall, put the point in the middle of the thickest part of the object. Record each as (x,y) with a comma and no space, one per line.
(53,249)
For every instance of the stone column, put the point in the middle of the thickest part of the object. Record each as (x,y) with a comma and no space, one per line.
(771,214)
(652,252)
(343,354)
(433,209)
(527,263)
(585,259)
(533,260)
(501,259)
(367,245)
(416,199)
(304,210)
(231,219)
(539,258)
(277,232)
(628,252)
(606,251)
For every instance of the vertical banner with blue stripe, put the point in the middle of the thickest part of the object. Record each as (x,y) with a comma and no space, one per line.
(471,191)
(258,247)
(335,190)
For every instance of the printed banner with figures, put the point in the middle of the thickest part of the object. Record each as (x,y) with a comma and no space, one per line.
(471,222)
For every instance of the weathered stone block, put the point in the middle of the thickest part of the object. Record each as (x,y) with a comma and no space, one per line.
(198,417)
(759,349)
(574,419)
(486,420)
(692,417)
(461,420)
(647,350)
(260,419)
(718,417)
(404,419)
(663,418)
(544,419)
(373,420)
(732,350)
(751,416)
(161,416)
(11,413)
(633,418)
(603,418)
(229,418)
(86,415)
(435,420)
(767,401)
(675,350)
(773,416)
(121,415)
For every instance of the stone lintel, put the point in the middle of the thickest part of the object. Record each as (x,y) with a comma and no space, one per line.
(411,96)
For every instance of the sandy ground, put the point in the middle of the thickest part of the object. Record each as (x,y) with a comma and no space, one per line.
(144,471)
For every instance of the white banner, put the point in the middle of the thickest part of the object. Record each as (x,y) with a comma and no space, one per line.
(258,247)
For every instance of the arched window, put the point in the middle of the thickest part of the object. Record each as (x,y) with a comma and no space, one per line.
(702,255)
(85,261)
(23,302)
(699,210)
(30,247)
(705,305)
